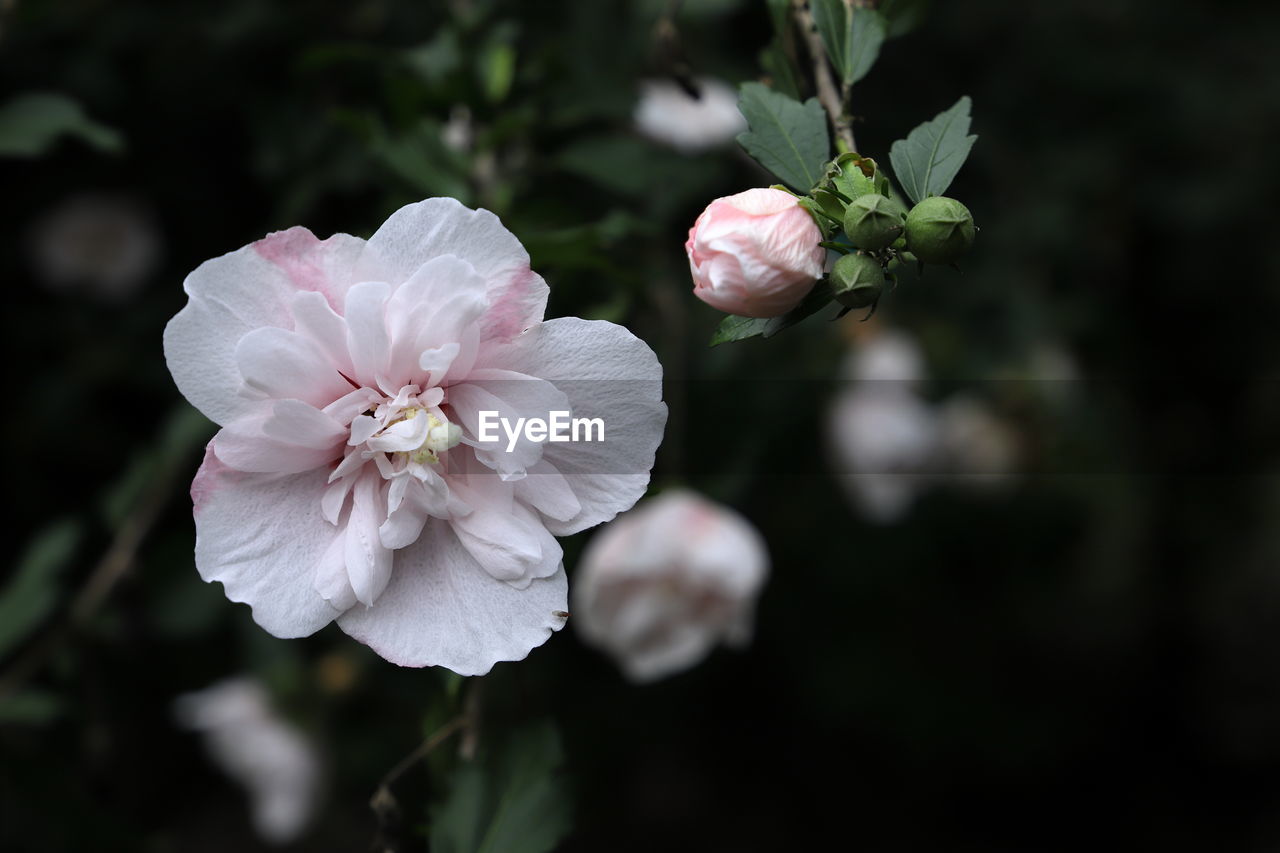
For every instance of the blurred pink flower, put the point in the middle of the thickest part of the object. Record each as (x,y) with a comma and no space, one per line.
(661,586)
(755,254)
(348,482)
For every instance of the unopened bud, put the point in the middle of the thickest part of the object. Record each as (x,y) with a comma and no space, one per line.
(939,230)
(874,221)
(857,280)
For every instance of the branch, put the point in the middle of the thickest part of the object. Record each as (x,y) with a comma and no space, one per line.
(669,51)
(423,749)
(109,571)
(833,100)
(383,802)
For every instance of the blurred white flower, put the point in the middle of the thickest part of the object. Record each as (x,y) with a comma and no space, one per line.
(883,435)
(891,357)
(890,444)
(458,133)
(885,442)
(668,114)
(659,587)
(278,766)
(105,244)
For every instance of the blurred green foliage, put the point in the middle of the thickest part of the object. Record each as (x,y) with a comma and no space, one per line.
(507,799)
(30,125)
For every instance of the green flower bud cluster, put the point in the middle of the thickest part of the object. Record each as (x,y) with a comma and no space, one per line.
(938,230)
(875,233)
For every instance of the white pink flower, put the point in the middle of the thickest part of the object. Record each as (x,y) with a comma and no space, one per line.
(348,483)
(755,254)
(658,588)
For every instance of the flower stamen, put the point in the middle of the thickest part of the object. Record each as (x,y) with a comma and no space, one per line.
(441,436)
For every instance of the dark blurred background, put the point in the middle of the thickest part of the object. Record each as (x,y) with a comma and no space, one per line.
(1088,656)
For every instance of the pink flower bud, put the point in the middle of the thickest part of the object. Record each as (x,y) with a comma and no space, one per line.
(755,254)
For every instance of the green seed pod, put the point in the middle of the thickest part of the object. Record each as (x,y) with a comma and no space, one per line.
(857,280)
(873,221)
(939,230)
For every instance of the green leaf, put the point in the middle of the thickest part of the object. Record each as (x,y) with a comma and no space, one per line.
(851,35)
(903,15)
(817,299)
(498,70)
(510,799)
(780,14)
(32,591)
(735,328)
(419,156)
(829,204)
(868,31)
(625,164)
(787,137)
(587,246)
(30,125)
(853,183)
(30,707)
(436,59)
(776,63)
(927,161)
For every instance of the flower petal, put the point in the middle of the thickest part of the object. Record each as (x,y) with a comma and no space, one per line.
(435,310)
(332,581)
(281,364)
(231,295)
(547,491)
(314,318)
(280,437)
(312,264)
(263,538)
(417,233)
(368,562)
(506,538)
(607,373)
(367,337)
(442,609)
(295,422)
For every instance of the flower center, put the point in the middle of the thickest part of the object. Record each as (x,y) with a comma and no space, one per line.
(404,434)
(440,436)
